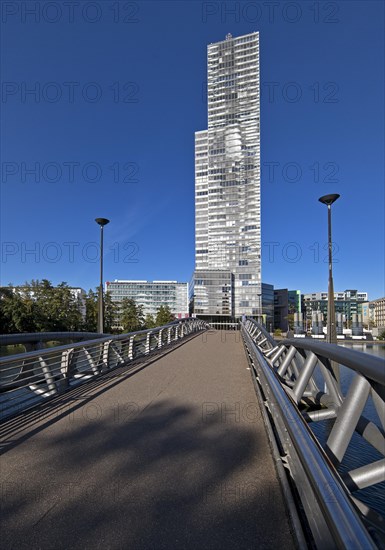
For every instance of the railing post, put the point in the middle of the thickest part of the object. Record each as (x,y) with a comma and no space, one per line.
(91,362)
(160,338)
(65,363)
(131,348)
(147,348)
(286,361)
(106,349)
(347,418)
(48,376)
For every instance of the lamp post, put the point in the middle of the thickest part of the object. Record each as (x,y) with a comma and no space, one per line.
(331,336)
(102,222)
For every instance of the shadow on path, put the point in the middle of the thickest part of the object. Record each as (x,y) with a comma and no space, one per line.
(161,477)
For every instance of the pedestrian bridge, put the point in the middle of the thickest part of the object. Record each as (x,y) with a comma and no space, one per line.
(172,441)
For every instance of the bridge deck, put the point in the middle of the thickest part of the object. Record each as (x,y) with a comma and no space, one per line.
(173,455)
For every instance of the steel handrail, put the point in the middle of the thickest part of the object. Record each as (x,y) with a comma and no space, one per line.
(291,365)
(34,337)
(340,516)
(76,345)
(369,366)
(28,378)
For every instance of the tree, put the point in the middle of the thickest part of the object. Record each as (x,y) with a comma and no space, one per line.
(131,315)
(16,314)
(67,309)
(39,307)
(6,303)
(164,316)
(56,307)
(110,313)
(290,321)
(382,335)
(90,323)
(149,321)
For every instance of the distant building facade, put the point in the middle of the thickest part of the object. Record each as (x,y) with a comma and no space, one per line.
(267,309)
(281,309)
(152,294)
(367,310)
(80,295)
(378,308)
(213,293)
(286,302)
(227,184)
(348,303)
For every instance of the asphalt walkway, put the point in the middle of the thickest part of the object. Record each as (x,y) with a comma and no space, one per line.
(171,456)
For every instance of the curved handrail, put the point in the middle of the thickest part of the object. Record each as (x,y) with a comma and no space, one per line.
(286,371)
(31,337)
(47,372)
(369,366)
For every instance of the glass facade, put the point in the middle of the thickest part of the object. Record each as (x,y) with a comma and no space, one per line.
(347,303)
(227,178)
(152,294)
(286,302)
(213,292)
(268,306)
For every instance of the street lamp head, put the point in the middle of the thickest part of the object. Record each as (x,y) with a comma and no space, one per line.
(329,199)
(102,221)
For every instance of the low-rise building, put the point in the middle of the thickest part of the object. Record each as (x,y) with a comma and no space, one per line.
(378,308)
(152,294)
(367,311)
(348,303)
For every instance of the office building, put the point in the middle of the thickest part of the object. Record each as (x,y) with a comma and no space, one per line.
(227,277)
(348,303)
(367,310)
(213,293)
(286,303)
(267,306)
(378,308)
(152,294)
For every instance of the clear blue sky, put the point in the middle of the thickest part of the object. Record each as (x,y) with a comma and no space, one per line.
(110,129)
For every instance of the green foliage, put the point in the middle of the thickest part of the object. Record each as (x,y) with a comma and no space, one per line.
(277,332)
(110,313)
(149,321)
(382,335)
(16,314)
(163,316)
(91,316)
(39,307)
(290,321)
(92,309)
(131,316)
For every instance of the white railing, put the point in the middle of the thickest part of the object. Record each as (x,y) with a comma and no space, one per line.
(27,379)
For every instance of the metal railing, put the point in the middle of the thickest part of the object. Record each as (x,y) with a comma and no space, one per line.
(299,388)
(224,325)
(29,378)
(36,340)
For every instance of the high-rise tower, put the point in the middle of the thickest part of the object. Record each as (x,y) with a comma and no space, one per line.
(227,277)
